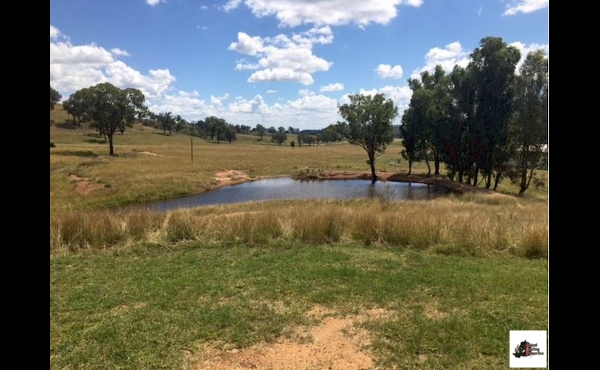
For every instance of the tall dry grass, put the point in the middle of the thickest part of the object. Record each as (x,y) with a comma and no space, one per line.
(471,224)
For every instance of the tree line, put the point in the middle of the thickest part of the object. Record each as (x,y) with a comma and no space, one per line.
(483,122)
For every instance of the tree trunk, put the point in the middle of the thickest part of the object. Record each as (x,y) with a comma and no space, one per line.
(409,166)
(372,163)
(497,180)
(110,145)
(428,168)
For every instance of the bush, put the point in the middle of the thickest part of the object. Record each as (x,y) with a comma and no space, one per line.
(52,145)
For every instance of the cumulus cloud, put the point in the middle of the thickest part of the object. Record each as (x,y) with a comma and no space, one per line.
(387,71)
(120,52)
(524,6)
(73,67)
(333,87)
(400,95)
(231,4)
(283,58)
(54,33)
(292,13)
(271,91)
(451,55)
(153,2)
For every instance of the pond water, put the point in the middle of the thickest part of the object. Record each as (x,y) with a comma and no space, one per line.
(288,188)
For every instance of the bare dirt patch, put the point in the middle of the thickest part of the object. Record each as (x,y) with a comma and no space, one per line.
(231,177)
(150,153)
(85,186)
(335,342)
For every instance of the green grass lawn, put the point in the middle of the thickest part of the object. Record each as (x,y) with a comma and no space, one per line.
(143,308)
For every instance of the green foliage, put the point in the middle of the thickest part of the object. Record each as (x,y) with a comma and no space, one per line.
(54,97)
(369,120)
(109,108)
(279,138)
(52,145)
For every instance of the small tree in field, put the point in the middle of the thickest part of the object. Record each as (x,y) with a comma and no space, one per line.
(369,119)
(112,109)
(54,97)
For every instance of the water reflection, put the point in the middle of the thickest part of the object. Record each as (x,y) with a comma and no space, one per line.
(288,188)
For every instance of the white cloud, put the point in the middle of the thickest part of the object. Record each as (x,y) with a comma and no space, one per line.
(271,91)
(524,6)
(453,54)
(203,7)
(246,44)
(333,87)
(526,49)
(305,92)
(153,2)
(256,105)
(54,33)
(400,95)
(73,67)
(387,71)
(231,4)
(120,52)
(282,58)
(292,13)
(281,74)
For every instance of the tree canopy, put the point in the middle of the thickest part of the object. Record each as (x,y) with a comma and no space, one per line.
(369,119)
(54,97)
(112,109)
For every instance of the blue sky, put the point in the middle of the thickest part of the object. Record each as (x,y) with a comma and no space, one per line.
(275,62)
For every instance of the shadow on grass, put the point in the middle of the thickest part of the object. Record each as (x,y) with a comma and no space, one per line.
(95,141)
(77,153)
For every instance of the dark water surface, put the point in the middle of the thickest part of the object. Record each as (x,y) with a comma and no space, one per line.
(288,188)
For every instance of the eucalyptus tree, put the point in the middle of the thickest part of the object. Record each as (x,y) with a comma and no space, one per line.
(112,109)
(493,64)
(216,127)
(166,121)
(460,142)
(529,125)
(413,128)
(54,97)
(369,119)
(78,104)
(260,129)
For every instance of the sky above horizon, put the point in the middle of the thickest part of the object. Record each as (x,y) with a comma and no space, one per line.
(275,62)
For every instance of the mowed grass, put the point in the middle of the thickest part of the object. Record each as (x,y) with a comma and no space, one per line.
(148,290)
(151,308)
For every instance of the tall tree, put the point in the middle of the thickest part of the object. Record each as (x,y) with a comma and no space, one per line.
(529,127)
(166,121)
(113,109)
(414,128)
(279,138)
(78,104)
(260,129)
(54,97)
(493,64)
(369,120)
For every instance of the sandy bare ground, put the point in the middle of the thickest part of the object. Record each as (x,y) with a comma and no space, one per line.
(335,342)
(84,185)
